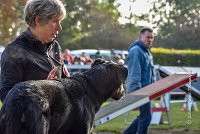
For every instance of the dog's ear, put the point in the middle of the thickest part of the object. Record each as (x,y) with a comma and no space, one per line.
(122,73)
(98,61)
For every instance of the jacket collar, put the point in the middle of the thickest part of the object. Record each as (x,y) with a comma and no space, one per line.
(142,45)
(33,43)
(139,43)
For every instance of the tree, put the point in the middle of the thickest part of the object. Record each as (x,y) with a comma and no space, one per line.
(11,19)
(86,20)
(105,29)
(88,24)
(93,24)
(178,22)
(185,30)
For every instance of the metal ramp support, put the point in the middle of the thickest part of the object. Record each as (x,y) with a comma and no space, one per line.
(195,92)
(158,109)
(142,96)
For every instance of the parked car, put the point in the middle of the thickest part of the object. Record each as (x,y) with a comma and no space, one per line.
(93,53)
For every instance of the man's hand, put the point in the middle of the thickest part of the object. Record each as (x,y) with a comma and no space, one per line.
(52,74)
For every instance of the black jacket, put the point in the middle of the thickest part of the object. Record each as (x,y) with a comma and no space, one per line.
(28,59)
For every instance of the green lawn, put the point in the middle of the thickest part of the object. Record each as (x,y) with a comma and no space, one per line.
(178,117)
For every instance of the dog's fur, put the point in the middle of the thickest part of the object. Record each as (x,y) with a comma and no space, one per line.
(64,106)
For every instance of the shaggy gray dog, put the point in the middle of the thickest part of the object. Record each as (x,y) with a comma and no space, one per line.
(64,106)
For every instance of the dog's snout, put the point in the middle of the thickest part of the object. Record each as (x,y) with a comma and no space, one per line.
(119,93)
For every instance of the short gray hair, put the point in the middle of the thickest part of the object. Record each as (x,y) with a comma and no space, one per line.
(46,9)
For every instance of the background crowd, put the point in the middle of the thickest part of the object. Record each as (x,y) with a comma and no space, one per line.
(84,58)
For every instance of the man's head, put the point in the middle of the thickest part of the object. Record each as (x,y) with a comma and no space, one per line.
(146,36)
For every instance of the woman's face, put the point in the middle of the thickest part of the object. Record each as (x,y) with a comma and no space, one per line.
(49,31)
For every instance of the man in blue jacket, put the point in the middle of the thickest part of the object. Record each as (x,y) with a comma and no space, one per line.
(140,74)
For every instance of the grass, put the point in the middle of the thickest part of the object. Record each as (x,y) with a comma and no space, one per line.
(178,118)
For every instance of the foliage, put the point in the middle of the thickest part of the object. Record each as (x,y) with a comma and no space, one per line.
(172,57)
(178,22)
(11,19)
(94,24)
(89,24)
(175,51)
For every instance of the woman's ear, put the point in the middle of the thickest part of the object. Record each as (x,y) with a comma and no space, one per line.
(37,20)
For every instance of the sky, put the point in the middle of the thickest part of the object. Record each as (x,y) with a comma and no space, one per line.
(138,7)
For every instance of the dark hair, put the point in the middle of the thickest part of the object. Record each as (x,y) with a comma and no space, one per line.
(143,30)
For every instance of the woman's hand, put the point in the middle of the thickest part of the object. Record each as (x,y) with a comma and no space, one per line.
(52,74)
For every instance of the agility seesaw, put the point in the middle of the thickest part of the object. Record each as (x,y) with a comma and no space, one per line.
(142,96)
(166,71)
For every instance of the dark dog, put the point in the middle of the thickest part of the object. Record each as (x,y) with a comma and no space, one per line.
(64,106)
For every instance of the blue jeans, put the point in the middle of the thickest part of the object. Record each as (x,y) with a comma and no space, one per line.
(141,123)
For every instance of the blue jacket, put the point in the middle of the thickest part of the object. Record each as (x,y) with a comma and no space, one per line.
(140,66)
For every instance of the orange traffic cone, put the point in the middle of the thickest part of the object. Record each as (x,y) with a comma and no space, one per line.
(184,108)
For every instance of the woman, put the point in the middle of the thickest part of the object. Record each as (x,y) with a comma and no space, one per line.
(28,56)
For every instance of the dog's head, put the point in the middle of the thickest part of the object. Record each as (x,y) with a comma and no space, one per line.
(108,78)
